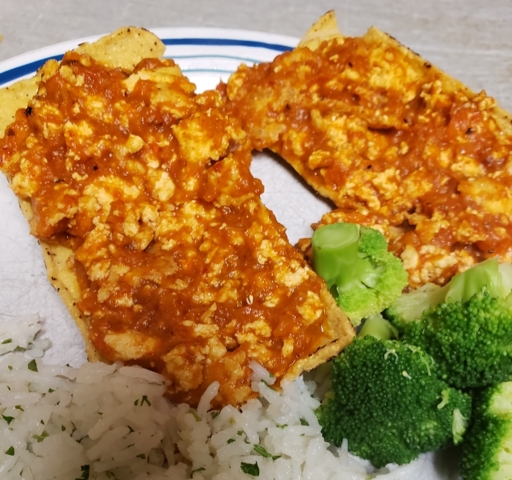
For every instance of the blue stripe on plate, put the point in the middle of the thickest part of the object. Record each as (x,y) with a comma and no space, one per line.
(212,56)
(25,69)
(226,42)
(28,68)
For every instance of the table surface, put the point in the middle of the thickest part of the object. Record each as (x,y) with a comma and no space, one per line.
(470,39)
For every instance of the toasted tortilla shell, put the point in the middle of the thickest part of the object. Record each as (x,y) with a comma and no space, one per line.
(324,29)
(14,97)
(123,49)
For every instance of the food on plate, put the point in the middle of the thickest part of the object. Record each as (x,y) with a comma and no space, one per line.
(460,336)
(360,272)
(153,229)
(123,48)
(16,96)
(112,421)
(154,233)
(379,327)
(390,404)
(466,325)
(486,452)
(393,141)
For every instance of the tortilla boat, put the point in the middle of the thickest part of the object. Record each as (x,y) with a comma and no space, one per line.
(392,141)
(152,226)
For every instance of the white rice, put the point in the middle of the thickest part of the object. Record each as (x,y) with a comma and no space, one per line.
(112,422)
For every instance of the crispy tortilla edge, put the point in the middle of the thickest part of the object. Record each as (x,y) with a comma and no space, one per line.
(324,29)
(340,330)
(140,44)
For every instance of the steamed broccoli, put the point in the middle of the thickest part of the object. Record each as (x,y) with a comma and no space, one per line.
(377,326)
(466,325)
(360,272)
(487,447)
(388,402)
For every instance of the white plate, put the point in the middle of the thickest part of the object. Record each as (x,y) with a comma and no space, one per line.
(206,56)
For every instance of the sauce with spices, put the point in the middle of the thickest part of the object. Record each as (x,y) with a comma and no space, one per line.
(180,266)
(393,142)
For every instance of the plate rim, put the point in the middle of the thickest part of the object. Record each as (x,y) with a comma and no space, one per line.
(24,64)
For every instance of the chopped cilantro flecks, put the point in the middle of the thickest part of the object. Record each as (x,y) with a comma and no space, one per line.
(10,451)
(304,422)
(6,341)
(41,437)
(8,419)
(264,453)
(230,440)
(142,401)
(261,451)
(194,414)
(250,468)
(32,365)
(85,473)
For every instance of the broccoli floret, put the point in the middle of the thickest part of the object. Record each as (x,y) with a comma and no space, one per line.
(360,272)
(467,328)
(377,326)
(487,446)
(409,306)
(388,402)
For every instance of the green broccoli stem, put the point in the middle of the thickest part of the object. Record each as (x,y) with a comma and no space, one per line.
(378,327)
(466,284)
(495,277)
(468,331)
(337,258)
(361,273)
